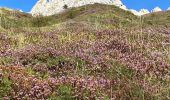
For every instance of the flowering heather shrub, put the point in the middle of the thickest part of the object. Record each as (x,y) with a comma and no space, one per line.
(25,86)
(83,61)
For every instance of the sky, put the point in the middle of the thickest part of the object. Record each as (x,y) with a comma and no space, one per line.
(147,4)
(26,5)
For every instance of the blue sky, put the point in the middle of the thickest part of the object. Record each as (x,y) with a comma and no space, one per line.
(148,4)
(26,5)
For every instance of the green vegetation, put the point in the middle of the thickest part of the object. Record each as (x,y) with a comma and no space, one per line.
(5,87)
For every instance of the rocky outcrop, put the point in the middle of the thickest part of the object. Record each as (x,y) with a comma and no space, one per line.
(156,9)
(144,11)
(50,7)
(139,13)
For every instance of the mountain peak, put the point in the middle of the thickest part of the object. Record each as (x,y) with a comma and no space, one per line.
(50,7)
(156,9)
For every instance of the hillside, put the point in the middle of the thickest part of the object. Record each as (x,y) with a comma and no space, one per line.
(90,11)
(93,52)
(158,18)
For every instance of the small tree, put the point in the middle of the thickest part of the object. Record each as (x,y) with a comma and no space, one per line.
(65,6)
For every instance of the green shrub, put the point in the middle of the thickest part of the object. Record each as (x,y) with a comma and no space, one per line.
(5,60)
(5,87)
(65,6)
(72,13)
(65,92)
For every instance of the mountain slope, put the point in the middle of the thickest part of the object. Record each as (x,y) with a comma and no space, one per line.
(90,52)
(158,18)
(85,13)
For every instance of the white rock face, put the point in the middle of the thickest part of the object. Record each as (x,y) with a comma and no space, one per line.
(144,11)
(156,9)
(139,13)
(20,10)
(50,7)
(134,12)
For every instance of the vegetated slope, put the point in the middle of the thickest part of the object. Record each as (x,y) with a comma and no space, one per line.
(12,18)
(84,13)
(90,52)
(158,19)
